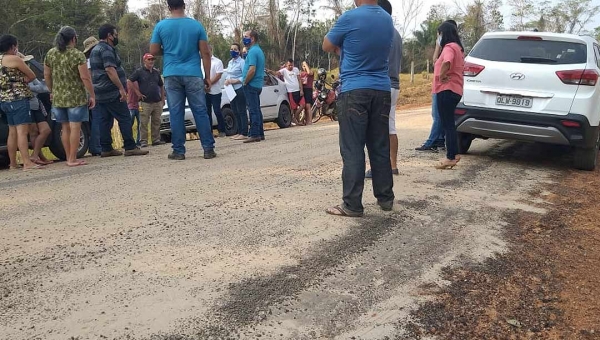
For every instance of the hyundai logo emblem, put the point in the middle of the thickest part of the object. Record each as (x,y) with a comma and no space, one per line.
(517,76)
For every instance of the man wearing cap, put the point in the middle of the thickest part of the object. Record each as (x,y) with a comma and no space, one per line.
(151,91)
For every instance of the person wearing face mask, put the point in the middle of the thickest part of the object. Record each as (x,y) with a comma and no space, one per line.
(253,76)
(110,83)
(364,103)
(14,100)
(94,148)
(436,136)
(244,52)
(234,78)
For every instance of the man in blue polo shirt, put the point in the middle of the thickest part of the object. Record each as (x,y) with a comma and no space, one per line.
(181,40)
(364,103)
(253,77)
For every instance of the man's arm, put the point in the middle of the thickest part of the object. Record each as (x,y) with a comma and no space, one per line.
(205,52)
(155,42)
(114,77)
(84,74)
(330,47)
(250,74)
(301,87)
(156,49)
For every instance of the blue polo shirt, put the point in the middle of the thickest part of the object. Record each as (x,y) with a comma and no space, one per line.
(179,38)
(365,36)
(255,58)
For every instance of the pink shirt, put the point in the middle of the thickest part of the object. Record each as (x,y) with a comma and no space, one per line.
(133,102)
(451,53)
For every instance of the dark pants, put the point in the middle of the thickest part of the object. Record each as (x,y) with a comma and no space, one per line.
(96,122)
(108,112)
(364,120)
(447,101)
(256,117)
(213,103)
(238,106)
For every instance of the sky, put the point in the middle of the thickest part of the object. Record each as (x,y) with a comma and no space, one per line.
(135,5)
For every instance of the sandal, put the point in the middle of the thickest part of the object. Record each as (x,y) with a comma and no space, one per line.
(339,211)
(446,164)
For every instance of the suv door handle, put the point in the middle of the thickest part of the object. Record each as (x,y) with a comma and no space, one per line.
(276,91)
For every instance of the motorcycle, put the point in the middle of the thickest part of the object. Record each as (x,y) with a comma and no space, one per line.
(325,99)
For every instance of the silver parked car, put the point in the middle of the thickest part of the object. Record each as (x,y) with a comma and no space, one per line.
(274,105)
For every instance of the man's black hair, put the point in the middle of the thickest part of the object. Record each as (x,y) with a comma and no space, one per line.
(386,5)
(238,46)
(449,35)
(105,30)
(175,4)
(452,22)
(7,41)
(291,61)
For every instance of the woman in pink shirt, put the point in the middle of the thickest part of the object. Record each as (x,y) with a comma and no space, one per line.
(448,87)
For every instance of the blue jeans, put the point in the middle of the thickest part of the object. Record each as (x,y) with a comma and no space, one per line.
(178,89)
(135,114)
(363,116)
(108,113)
(213,103)
(238,106)
(256,118)
(436,137)
(95,148)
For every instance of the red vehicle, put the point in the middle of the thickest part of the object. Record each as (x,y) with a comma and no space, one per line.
(324,97)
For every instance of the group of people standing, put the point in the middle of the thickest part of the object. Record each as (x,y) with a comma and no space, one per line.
(299,85)
(366,105)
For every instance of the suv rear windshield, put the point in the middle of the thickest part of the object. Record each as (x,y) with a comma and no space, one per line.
(530,51)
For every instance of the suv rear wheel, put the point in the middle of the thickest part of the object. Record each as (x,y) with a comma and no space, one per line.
(587,159)
(464,142)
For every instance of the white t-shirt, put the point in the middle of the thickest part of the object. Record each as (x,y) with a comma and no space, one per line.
(291,79)
(216,67)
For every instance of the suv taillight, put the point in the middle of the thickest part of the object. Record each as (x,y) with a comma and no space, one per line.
(578,77)
(472,70)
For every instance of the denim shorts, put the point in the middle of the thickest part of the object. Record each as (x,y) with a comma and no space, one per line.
(71,114)
(17,112)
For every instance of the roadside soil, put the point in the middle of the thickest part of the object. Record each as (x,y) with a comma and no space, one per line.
(239,247)
(545,287)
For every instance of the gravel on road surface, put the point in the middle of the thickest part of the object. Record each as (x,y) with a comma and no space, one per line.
(240,247)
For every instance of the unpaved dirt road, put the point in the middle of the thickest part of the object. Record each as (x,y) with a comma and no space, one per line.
(240,246)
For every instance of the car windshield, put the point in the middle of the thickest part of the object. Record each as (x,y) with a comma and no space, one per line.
(530,51)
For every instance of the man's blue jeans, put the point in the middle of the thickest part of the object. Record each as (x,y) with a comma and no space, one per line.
(238,105)
(135,114)
(213,103)
(178,89)
(256,117)
(363,116)
(436,137)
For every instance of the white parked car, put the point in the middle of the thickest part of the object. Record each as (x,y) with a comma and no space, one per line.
(533,86)
(273,102)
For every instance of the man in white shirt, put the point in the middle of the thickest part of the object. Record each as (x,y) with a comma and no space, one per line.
(291,77)
(213,92)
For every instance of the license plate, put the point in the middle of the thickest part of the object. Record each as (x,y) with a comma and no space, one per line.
(514,101)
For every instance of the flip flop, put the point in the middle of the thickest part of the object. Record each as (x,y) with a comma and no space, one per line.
(82,162)
(35,167)
(339,211)
(76,164)
(41,162)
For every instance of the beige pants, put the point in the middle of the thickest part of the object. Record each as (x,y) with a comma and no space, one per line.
(150,112)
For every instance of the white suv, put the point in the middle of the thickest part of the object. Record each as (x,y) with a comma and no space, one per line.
(533,86)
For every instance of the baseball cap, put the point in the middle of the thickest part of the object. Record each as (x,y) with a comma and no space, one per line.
(148,56)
